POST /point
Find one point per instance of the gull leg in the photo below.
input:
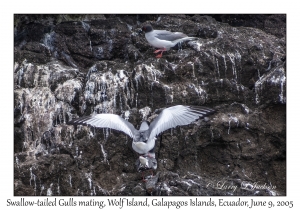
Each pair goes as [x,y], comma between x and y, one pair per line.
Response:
[149,155]
[159,55]
[160,51]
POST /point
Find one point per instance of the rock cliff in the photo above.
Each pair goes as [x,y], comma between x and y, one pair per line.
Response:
[68,66]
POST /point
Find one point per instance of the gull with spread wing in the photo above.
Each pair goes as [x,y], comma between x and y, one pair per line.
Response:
[144,138]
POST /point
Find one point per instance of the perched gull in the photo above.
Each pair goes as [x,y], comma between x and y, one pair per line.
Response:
[144,138]
[145,163]
[163,39]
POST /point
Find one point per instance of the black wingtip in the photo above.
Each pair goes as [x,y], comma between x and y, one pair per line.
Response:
[205,110]
[202,108]
[79,121]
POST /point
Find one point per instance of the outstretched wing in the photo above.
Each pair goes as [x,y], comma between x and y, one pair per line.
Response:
[107,121]
[176,116]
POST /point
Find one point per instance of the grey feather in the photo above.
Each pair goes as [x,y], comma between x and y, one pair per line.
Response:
[169,36]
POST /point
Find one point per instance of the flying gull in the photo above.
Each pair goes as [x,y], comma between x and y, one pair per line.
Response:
[163,39]
[144,138]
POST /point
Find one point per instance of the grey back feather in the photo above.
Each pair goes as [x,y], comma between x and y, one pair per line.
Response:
[169,36]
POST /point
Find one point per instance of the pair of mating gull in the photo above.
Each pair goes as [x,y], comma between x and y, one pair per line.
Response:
[144,139]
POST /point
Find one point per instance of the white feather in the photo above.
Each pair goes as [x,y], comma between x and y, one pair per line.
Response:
[175,116]
[109,121]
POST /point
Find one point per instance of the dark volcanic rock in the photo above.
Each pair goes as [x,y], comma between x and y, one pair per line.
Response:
[76,65]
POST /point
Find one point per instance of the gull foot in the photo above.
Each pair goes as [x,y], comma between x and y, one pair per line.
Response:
[160,51]
[159,56]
